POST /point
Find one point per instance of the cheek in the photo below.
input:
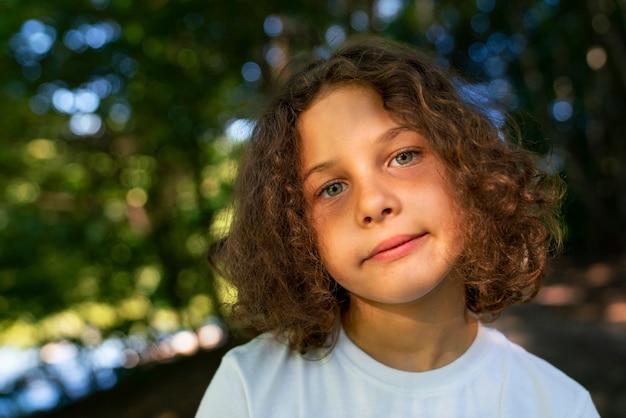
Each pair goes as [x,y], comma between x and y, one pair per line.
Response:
[457,227]
[452,202]
[329,238]
[323,232]
[320,234]
[324,220]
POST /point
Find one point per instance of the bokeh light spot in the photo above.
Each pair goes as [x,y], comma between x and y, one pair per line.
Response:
[185,342]
[32,26]
[58,352]
[517,43]
[95,37]
[499,88]
[41,149]
[128,66]
[616,312]
[596,58]
[599,274]
[40,42]
[136,197]
[75,41]
[115,210]
[210,336]
[120,113]
[601,24]
[445,45]
[200,305]
[22,191]
[39,104]
[335,35]
[388,10]
[105,378]
[86,101]
[497,42]
[100,315]
[33,42]
[478,52]
[63,101]
[480,22]
[251,72]
[131,359]
[148,279]
[134,308]
[239,129]
[272,25]
[39,395]
[559,295]
[435,32]
[562,110]
[196,245]
[276,57]
[221,223]
[563,86]
[85,124]
[165,320]
[495,67]
[226,292]
[359,20]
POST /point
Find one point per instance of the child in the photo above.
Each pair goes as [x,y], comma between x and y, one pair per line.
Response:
[379,218]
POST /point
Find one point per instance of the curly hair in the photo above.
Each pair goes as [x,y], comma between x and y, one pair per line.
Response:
[511,207]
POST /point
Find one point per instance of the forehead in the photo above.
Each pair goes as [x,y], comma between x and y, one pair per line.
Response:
[341,112]
[341,107]
[340,94]
[344,123]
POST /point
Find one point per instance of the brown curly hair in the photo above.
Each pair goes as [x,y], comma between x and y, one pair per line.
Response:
[510,205]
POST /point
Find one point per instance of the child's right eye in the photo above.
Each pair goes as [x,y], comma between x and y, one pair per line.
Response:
[332,190]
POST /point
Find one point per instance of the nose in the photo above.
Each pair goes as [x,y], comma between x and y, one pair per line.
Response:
[376,201]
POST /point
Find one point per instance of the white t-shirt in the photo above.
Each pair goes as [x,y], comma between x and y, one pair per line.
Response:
[493,378]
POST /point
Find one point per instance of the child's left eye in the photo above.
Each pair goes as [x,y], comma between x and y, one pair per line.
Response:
[404,157]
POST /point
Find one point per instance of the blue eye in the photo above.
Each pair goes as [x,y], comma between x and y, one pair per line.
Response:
[333,190]
[404,157]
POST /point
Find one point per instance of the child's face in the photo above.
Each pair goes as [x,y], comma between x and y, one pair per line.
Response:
[385,220]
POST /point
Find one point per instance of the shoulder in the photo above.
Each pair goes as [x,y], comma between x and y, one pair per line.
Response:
[268,357]
[522,363]
[526,376]
[241,368]
[252,376]
[259,346]
[263,351]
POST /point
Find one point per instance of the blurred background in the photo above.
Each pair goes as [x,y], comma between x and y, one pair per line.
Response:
[120,129]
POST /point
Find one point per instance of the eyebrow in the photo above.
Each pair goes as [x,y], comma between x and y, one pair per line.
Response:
[384,137]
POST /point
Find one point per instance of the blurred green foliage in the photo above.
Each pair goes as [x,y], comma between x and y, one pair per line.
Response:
[108,203]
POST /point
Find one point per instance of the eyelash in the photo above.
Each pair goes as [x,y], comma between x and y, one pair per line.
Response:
[413,152]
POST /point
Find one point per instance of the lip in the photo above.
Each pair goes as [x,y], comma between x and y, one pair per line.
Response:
[393,248]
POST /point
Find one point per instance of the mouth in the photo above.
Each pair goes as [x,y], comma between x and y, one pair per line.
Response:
[394,247]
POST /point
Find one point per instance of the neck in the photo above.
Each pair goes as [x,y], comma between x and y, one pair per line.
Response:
[419,336]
